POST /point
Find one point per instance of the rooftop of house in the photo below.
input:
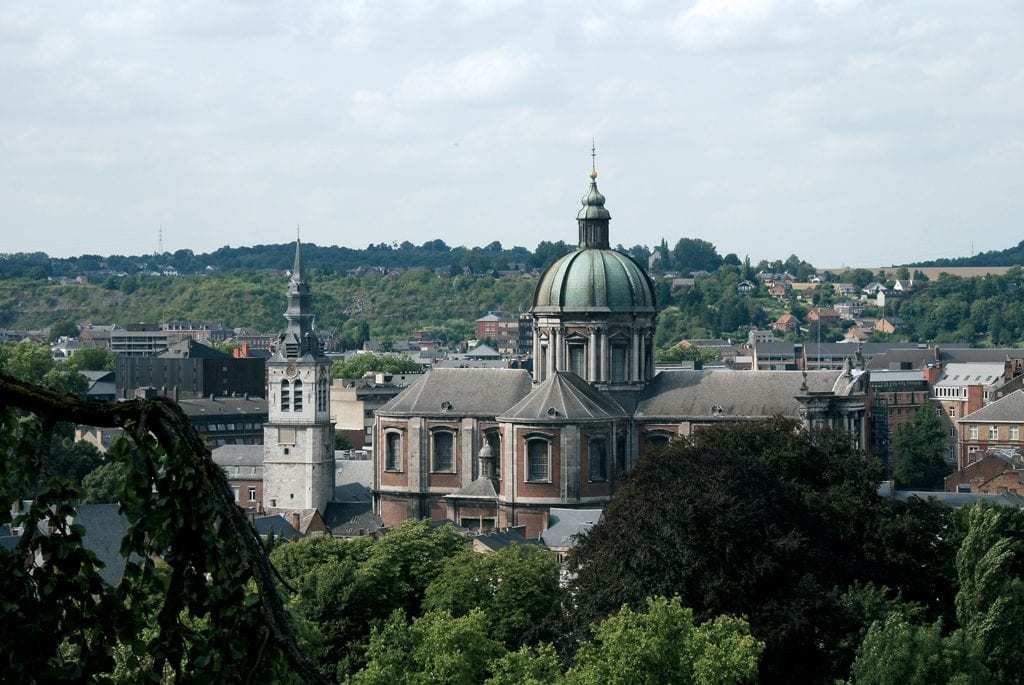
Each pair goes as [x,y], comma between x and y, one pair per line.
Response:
[1009,409]
[461,392]
[565,524]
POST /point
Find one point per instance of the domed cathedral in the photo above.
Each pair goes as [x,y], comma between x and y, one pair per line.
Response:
[594,309]
[298,438]
[494,448]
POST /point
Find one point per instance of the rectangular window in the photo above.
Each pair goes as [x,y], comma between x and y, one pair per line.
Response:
[1014,432]
[252,494]
[537,460]
[577,360]
[443,451]
[618,363]
[234,491]
[952,411]
[972,432]
[993,432]
[597,454]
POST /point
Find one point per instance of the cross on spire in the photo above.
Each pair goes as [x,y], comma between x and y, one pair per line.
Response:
[593,159]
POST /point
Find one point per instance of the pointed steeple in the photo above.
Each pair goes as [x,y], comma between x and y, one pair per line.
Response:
[593,218]
[298,339]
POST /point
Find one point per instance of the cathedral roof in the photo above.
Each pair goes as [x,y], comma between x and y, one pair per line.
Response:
[687,393]
[461,392]
[564,398]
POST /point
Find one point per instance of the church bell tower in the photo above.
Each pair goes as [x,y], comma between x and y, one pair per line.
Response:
[298,438]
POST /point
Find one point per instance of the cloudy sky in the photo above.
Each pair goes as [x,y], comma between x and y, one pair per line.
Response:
[848,132]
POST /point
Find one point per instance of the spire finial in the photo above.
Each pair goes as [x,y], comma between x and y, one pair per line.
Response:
[593,160]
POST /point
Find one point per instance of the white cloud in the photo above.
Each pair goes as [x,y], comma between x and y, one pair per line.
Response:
[716,23]
[53,48]
[133,20]
[478,76]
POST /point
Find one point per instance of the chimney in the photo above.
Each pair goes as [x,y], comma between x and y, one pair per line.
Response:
[975,398]
[295,520]
[932,373]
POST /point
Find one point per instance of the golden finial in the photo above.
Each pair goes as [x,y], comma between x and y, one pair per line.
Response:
[593,160]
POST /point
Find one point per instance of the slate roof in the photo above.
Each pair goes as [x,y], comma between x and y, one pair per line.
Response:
[498,541]
[971,373]
[224,406]
[565,524]
[461,392]
[917,356]
[349,471]
[190,349]
[714,393]
[1006,409]
[961,499]
[563,397]
[481,488]
[276,524]
[238,455]
[105,527]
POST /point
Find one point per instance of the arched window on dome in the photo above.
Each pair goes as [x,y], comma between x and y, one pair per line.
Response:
[393,451]
[619,351]
[577,346]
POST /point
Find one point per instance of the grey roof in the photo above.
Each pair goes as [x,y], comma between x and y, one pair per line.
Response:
[562,397]
[1005,409]
[190,349]
[224,406]
[565,524]
[960,499]
[238,455]
[959,374]
[917,356]
[105,527]
[276,524]
[460,392]
[481,488]
[507,538]
[350,519]
[886,376]
[353,471]
[686,393]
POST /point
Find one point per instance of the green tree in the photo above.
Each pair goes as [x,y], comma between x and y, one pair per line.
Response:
[896,652]
[920,446]
[694,254]
[105,483]
[32,363]
[73,460]
[664,645]
[361,364]
[517,588]
[527,666]
[92,359]
[990,603]
[435,649]
[64,329]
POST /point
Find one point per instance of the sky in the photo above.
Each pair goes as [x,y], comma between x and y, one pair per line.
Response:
[851,133]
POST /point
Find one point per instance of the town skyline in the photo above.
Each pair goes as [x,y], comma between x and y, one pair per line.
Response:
[752,125]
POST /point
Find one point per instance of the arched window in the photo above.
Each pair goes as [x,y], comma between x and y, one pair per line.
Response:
[658,439]
[393,451]
[444,451]
[285,396]
[620,453]
[538,460]
[297,392]
[597,459]
[494,440]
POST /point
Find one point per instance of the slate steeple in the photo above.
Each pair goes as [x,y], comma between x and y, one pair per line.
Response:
[299,338]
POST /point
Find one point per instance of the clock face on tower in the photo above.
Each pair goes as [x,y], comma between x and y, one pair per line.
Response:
[291,371]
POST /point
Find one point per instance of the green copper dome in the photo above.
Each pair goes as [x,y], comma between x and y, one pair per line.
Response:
[594,279]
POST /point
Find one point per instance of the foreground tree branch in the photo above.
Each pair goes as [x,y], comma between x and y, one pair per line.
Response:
[181,511]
